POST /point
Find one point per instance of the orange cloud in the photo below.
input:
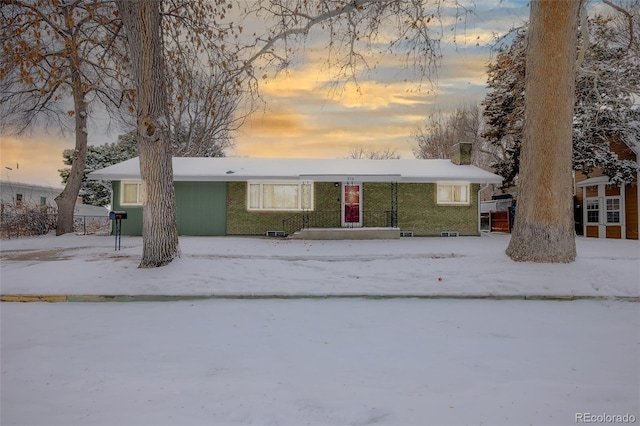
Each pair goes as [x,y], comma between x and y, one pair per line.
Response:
[33,159]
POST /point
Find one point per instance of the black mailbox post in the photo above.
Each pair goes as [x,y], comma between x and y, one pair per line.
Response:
[117,216]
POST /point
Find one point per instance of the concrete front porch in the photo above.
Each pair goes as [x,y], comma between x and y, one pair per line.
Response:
[368,233]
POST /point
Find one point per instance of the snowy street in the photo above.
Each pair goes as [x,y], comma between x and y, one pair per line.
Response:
[319,362]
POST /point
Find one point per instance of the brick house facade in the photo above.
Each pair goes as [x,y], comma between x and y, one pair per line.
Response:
[244,196]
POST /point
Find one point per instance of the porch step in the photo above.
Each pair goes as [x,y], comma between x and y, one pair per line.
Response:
[347,234]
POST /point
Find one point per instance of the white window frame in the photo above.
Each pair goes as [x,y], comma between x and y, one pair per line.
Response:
[441,202]
[299,183]
[139,195]
[607,211]
[596,209]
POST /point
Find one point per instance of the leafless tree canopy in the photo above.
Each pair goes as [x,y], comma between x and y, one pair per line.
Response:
[441,130]
[43,45]
[356,32]
[360,153]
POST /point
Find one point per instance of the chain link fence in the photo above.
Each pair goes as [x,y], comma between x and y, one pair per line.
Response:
[30,223]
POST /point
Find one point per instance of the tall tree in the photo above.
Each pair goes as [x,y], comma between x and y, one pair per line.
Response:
[143,26]
[544,229]
[57,58]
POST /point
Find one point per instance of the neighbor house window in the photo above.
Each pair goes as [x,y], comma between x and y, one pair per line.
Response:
[131,193]
[43,201]
[290,195]
[453,193]
[613,210]
[593,210]
[18,200]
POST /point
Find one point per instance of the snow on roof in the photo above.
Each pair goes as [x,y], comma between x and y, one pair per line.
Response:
[319,170]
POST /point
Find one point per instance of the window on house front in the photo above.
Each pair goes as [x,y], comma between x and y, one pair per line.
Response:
[453,193]
[18,200]
[131,193]
[43,201]
[613,210]
[292,195]
[593,210]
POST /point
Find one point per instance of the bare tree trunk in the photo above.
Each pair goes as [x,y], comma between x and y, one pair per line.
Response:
[142,22]
[66,201]
[544,225]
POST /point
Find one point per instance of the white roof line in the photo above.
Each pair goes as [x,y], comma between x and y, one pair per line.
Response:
[243,169]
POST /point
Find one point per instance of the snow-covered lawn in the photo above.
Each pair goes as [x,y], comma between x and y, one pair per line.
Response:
[318,361]
[261,266]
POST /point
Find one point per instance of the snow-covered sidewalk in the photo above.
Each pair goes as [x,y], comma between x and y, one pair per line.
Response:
[236,266]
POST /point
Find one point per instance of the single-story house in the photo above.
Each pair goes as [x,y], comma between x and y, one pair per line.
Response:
[262,196]
[16,195]
[605,210]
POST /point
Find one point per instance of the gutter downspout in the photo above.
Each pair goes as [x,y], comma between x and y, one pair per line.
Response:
[486,185]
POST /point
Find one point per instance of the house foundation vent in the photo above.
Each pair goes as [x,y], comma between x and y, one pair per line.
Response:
[449,233]
[406,233]
[275,234]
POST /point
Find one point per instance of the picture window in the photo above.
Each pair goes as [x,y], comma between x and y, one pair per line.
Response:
[291,196]
[453,193]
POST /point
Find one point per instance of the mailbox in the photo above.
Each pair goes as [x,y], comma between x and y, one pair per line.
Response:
[117,215]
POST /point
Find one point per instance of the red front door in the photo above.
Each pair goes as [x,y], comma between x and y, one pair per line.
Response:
[352,208]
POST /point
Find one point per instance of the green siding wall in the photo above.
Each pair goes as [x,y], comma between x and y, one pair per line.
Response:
[201,209]
[132,225]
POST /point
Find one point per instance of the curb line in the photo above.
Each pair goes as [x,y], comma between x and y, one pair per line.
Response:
[57,298]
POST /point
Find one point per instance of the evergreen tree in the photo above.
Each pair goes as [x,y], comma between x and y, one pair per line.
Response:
[504,107]
[98,193]
[607,81]
[605,111]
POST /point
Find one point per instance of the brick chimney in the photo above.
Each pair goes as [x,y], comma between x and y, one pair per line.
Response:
[461,153]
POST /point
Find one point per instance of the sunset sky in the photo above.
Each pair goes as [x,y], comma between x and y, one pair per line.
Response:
[303,117]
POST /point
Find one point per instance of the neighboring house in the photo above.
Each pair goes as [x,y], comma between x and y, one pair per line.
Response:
[27,209]
[17,195]
[258,196]
[607,211]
